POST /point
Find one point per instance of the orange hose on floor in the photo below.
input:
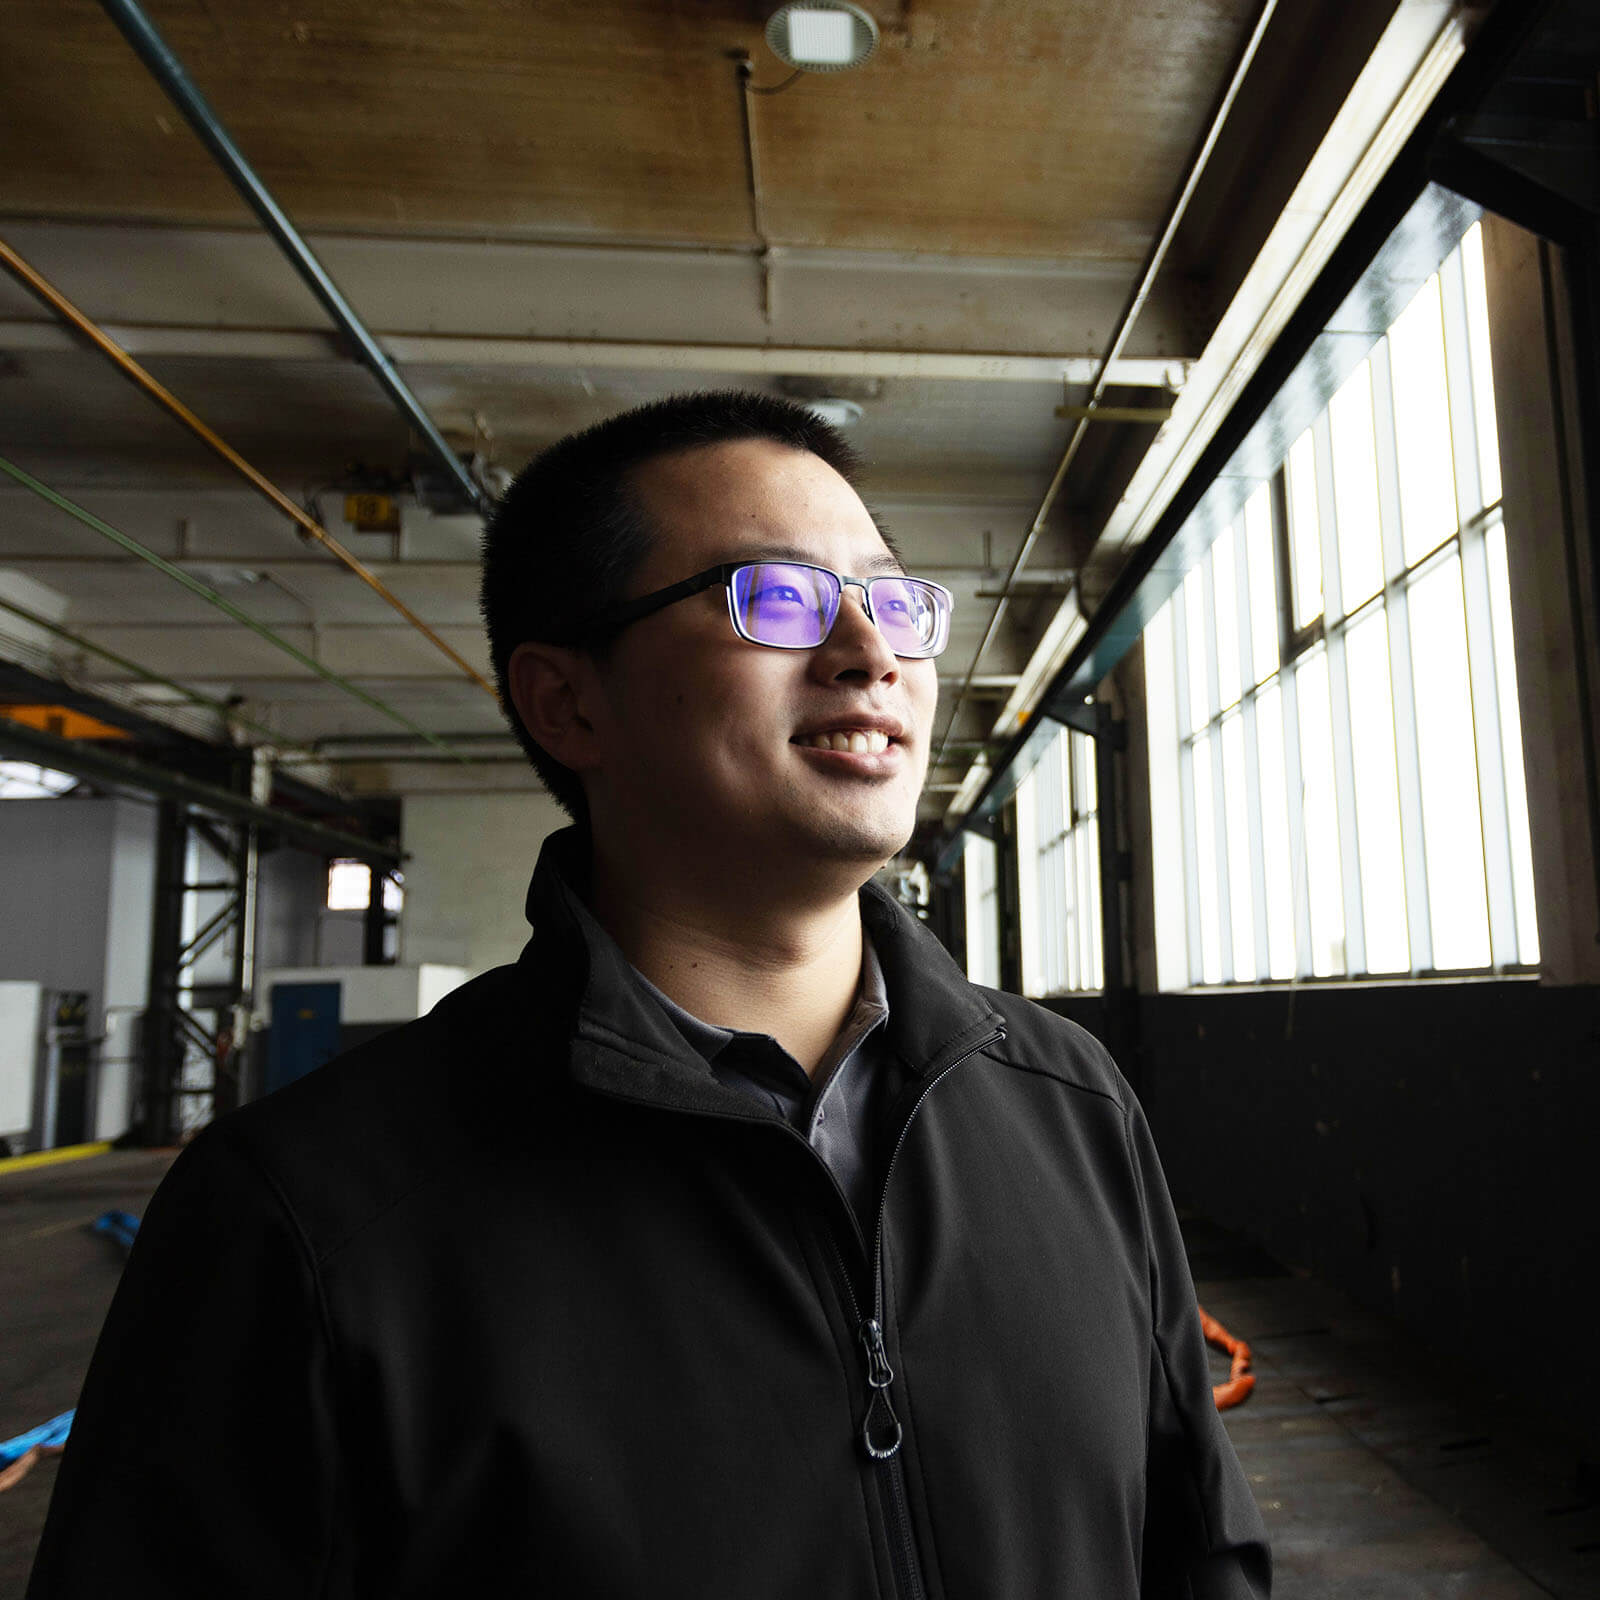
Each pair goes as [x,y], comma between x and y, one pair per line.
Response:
[1242,1380]
[23,1465]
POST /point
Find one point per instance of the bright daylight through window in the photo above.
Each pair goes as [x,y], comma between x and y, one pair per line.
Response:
[980,871]
[1338,670]
[1058,877]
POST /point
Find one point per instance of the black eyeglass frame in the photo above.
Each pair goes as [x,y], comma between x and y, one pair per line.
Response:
[609,623]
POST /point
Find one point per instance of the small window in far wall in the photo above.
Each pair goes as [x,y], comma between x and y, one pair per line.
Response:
[349,885]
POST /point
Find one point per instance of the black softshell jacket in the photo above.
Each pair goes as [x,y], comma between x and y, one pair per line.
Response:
[517,1300]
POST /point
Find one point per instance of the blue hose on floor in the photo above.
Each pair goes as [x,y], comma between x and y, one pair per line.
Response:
[121,1226]
[53,1433]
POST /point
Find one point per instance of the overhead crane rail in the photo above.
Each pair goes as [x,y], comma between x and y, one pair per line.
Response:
[229,714]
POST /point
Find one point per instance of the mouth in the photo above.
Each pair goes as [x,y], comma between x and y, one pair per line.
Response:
[852,741]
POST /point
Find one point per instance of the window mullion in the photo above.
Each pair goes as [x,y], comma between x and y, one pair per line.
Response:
[1294,797]
[1495,812]
[1252,761]
[1458,377]
[1408,770]
[1062,948]
[1219,807]
[1355,935]
[1191,850]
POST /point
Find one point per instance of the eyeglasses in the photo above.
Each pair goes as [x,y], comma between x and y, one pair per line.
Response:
[791,605]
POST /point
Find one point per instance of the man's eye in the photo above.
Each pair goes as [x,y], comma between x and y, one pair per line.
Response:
[780,594]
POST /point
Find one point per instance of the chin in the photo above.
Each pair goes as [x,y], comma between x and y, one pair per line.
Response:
[867,841]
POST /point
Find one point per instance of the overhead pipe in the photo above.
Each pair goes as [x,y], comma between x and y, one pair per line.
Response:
[220,602]
[37,284]
[169,72]
[1135,303]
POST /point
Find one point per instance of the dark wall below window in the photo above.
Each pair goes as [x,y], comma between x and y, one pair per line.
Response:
[1432,1148]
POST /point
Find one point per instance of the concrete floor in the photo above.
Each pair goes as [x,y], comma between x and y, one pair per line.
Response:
[56,1280]
[1380,1475]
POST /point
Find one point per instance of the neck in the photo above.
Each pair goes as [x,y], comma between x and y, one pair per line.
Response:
[733,955]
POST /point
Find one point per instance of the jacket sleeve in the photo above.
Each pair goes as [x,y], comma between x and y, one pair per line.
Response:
[202,1458]
[1203,1536]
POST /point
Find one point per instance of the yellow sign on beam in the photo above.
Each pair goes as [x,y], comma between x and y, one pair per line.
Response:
[63,722]
[372,513]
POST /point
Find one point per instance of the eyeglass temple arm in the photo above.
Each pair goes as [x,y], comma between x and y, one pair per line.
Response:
[645,605]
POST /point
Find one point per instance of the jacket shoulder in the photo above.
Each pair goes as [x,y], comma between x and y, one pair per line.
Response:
[388,1117]
[1039,1040]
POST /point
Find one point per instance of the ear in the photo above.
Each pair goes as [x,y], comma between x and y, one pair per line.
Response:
[554,691]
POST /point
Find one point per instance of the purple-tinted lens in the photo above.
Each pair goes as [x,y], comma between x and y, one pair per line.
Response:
[913,616]
[785,604]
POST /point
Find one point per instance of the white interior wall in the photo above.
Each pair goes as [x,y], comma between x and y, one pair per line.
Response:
[131,871]
[77,877]
[470,858]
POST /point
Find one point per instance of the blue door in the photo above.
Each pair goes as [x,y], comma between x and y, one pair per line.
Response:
[305,1030]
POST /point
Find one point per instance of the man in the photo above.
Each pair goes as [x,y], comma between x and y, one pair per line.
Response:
[730,1244]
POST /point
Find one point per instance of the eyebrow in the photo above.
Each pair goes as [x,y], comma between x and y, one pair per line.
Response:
[885,563]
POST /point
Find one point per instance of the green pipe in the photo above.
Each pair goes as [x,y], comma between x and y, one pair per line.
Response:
[145,675]
[211,597]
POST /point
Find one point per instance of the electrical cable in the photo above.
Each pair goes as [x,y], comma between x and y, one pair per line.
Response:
[212,598]
[777,88]
[312,529]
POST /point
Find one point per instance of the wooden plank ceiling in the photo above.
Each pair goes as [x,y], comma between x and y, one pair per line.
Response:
[1031,129]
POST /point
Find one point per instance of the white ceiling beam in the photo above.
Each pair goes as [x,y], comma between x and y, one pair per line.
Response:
[235,278]
[19,335]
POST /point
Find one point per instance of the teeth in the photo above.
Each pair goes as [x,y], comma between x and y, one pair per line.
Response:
[861,743]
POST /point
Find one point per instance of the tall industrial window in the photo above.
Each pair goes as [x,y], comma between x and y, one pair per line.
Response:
[1058,869]
[981,872]
[1336,755]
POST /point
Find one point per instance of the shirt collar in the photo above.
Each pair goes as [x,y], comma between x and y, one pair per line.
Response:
[869,1009]
[620,1040]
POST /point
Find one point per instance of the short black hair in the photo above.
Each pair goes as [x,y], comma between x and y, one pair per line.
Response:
[566,538]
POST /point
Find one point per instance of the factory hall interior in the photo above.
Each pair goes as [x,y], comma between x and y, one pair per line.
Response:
[1023,582]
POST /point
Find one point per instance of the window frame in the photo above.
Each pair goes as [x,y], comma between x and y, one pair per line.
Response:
[1209,910]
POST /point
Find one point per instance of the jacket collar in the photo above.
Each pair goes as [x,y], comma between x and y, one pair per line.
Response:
[620,1042]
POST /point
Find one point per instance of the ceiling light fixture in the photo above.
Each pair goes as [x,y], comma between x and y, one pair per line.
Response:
[835,412]
[821,35]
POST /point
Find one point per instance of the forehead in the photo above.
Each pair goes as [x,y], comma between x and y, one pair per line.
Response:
[752,497]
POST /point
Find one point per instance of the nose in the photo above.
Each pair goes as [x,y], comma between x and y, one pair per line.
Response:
[855,648]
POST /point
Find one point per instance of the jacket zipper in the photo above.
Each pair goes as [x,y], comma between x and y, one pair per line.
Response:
[881,1433]
[881,1440]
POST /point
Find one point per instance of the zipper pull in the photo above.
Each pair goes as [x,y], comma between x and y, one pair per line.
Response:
[880,1428]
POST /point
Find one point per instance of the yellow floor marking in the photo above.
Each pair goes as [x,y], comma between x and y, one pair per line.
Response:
[48,1158]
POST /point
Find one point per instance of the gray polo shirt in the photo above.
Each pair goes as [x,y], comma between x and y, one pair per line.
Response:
[834,1107]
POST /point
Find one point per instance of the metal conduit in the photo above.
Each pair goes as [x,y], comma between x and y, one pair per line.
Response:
[211,597]
[1130,314]
[169,72]
[145,675]
[37,284]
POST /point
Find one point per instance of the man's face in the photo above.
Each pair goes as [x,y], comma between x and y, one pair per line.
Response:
[707,737]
